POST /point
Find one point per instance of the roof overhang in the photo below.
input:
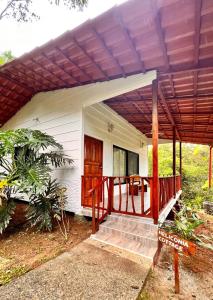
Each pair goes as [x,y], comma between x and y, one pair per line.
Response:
[173,37]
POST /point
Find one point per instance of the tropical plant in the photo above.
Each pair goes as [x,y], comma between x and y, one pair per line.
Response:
[5,57]
[7,206]
[185,222]
[23,11]
[27,158]
[46,206]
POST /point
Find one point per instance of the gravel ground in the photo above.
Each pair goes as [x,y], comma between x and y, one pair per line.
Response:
[89,271]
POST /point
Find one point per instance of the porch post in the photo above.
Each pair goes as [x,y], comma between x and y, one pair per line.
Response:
[174,160]
[155,193]
[180,168]
[210,166]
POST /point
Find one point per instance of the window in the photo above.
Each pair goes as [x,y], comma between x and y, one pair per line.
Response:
[125,163]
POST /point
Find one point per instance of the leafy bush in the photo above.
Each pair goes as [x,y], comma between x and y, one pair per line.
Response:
[185,222]
[46,206]
[26,161]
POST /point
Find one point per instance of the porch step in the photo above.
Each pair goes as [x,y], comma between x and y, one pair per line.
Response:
[130,234]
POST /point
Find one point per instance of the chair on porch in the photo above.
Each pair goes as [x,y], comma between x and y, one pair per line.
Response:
[135,185]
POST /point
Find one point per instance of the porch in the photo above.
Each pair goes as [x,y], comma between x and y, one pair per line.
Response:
[131,196]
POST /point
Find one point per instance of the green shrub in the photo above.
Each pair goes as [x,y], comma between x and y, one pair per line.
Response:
[26,161]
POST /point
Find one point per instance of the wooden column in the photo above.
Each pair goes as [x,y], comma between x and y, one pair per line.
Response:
[210,166]
[180,168]
[174,160]
[155,193]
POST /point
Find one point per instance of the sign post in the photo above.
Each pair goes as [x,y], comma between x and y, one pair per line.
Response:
[179,244]
[176,269]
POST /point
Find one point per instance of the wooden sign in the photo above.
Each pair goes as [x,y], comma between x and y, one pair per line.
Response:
[179,244]
[170,239]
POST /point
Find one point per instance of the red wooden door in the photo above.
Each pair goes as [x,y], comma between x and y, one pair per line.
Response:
[93,163]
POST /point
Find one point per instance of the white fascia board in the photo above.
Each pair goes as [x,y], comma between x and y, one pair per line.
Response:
[101,91]
[97,92]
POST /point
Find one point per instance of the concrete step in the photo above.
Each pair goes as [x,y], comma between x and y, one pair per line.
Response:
[126,219]
[123,242]
[130,233]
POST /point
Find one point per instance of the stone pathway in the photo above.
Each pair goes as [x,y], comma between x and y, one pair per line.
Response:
[91,270]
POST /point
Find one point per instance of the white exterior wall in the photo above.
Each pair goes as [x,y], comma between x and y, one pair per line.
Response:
[61,114]
[96,119]
[56,114]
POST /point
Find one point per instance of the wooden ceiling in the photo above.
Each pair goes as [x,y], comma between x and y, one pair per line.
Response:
[174,37]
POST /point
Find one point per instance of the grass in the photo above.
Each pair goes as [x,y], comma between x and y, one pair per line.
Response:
[7,275]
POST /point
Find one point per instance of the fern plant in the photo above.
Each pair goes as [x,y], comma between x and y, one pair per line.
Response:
[46,206]
[27,158]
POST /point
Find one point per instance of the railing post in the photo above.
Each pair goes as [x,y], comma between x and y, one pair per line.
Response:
[174,161]
[210,167]
[180,170]
[155,193]
[93,213]
[110,194]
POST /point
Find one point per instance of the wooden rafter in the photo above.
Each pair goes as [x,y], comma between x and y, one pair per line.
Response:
[170,117]
[81,48]
[128,39]
[198,7]
[40,75]
[108,51]
[36,62]
[57,65]
[20,75]
[158,29]
[62,52]
[5,76]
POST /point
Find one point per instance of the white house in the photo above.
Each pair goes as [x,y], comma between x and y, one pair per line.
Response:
[72,114]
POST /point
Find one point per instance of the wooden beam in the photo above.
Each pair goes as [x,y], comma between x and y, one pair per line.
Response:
[5,76]
[155,186]
[109,52]
[39,74]
[81,48]
[23,77]
[198,7]
[210,166]
[74,64]
[129,40]
[174,158]
[158,29]
[56,64]
[170,117]
[180,168]
[187,70]
[42,66]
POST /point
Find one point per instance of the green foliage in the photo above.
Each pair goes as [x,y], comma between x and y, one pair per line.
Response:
[184,224]
[7,275]
[23,11]
[5,57]
[46,206]
[194,171]
[7,208]
[26,161]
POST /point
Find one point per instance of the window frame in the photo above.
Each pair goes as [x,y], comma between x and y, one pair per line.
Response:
[127,160]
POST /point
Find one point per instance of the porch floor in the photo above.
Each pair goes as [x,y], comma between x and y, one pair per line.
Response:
[126,203]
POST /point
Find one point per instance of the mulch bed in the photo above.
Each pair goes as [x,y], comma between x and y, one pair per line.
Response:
[23,248]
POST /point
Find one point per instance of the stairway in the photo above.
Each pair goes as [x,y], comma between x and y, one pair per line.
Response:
[129,233]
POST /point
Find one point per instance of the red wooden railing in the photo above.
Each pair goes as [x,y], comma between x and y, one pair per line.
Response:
[124,195]
[168,187]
